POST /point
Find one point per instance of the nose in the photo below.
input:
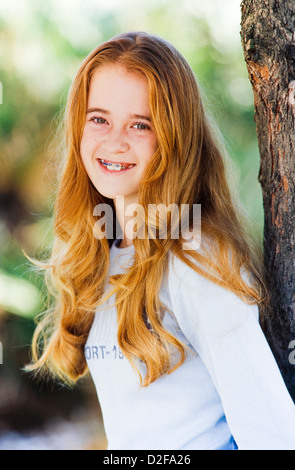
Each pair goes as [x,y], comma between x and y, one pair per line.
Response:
[115,141]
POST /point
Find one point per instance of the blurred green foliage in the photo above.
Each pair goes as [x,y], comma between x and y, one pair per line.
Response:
[41,47]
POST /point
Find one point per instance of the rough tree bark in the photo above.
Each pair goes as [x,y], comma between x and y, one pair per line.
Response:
[268,40]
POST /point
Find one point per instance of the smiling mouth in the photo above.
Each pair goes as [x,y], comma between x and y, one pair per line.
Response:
[115,166]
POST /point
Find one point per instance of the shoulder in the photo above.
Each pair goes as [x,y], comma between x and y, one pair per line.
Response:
[181,273]
[195,296]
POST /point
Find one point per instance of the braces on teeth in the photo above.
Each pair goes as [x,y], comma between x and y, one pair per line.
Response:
[115,166]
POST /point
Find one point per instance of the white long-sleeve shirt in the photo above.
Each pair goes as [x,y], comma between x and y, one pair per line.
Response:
[228,393]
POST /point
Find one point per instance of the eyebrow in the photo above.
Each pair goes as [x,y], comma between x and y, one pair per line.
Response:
[104,111]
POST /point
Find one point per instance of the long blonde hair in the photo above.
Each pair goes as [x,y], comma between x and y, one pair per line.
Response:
[189,167]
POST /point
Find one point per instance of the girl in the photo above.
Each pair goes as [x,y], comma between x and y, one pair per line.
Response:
[167,326]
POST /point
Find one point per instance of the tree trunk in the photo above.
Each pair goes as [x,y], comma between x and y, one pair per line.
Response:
[268,40]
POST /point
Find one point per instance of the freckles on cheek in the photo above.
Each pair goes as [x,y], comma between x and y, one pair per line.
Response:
[86,144]
[82,143]
[90,140]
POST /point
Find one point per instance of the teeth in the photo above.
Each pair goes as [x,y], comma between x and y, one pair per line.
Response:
[114,166]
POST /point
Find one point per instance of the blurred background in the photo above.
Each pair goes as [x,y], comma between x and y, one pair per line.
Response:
[41,46]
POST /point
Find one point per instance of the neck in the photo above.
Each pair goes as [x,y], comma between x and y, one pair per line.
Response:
[125,213]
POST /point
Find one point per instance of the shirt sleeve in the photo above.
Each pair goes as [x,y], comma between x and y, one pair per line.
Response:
[226,334]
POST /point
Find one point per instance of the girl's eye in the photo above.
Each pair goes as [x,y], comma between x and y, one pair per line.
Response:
[98,120]
[141,126]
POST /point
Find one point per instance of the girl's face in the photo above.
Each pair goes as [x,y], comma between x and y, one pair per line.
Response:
[118,139]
